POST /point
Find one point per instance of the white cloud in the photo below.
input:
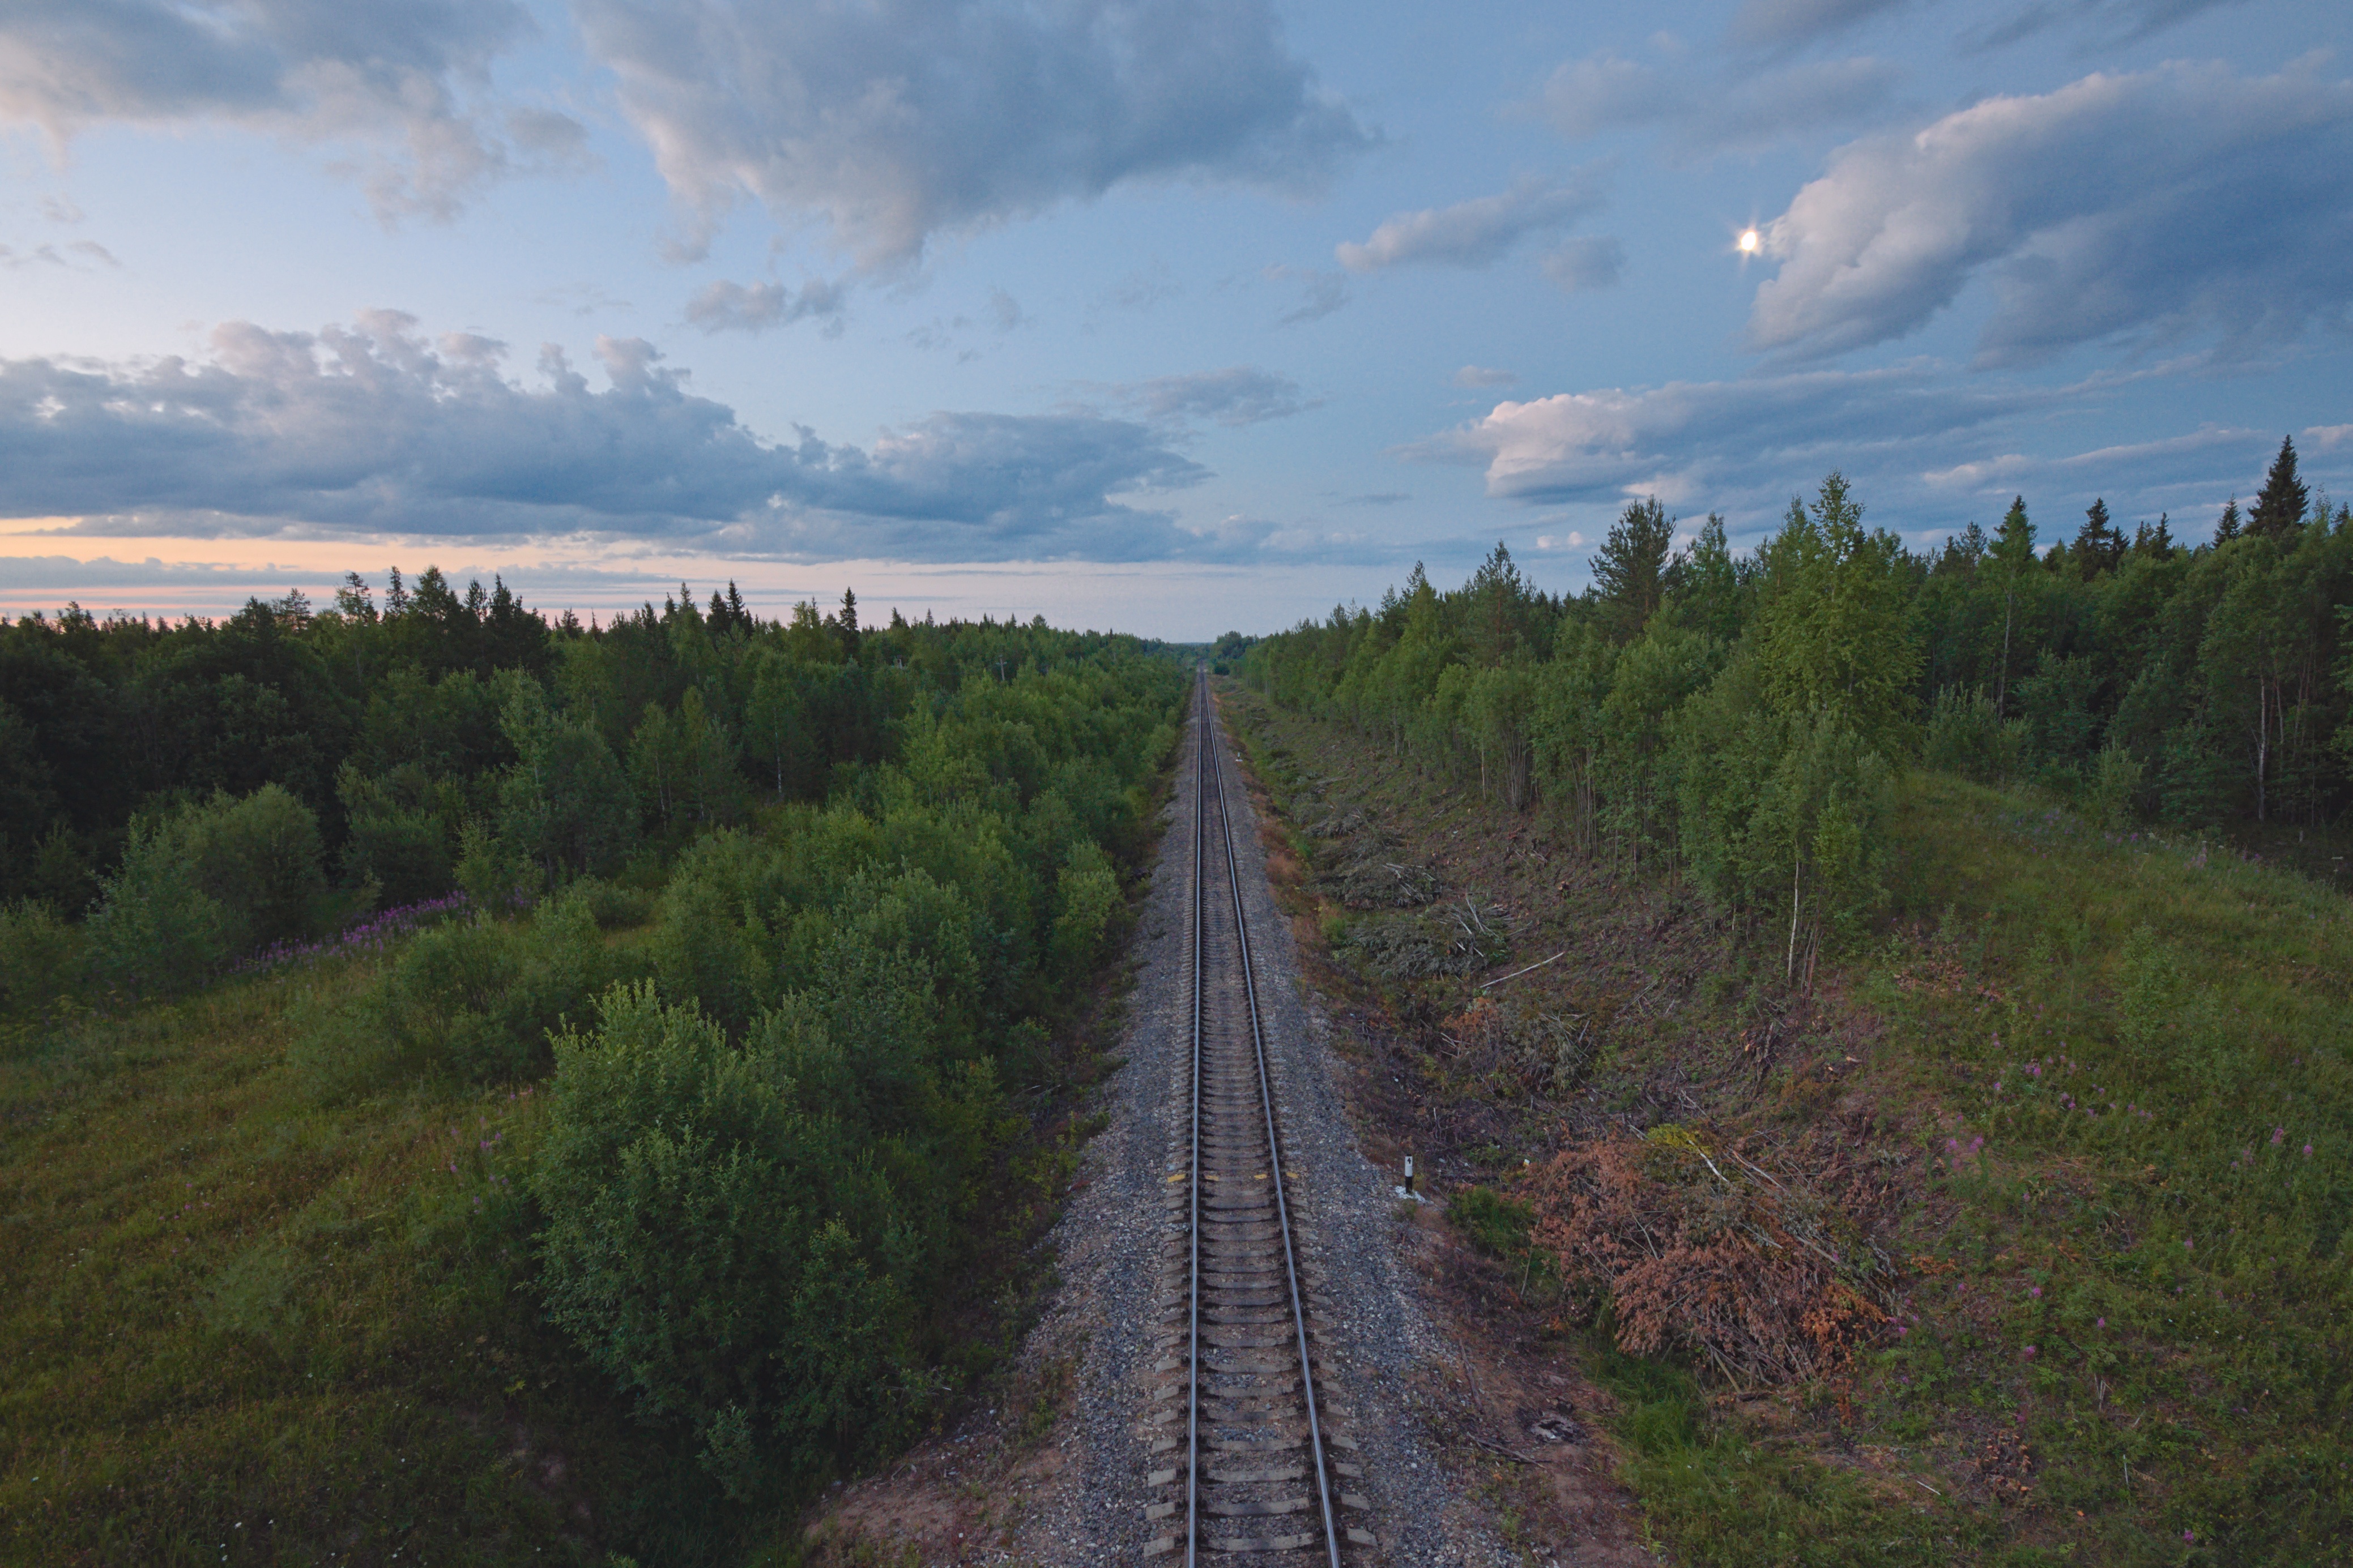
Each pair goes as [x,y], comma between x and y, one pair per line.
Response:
[2157,205]
[404,83]
[375,430]
[894,120]
[1477,232]
[724,306]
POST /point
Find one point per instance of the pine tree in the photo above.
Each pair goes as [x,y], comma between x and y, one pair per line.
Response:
[1630,568]
[2279,511]
[2226,528]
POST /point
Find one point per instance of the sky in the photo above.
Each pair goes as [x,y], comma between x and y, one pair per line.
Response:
[1170,317]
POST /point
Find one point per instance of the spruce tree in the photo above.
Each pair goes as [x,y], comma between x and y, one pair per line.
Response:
[2226,528]
[2099,547]
[2279,511]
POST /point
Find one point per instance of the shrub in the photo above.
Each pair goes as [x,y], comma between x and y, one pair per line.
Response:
[1087,897]
[475,999]
[156,929]
[258,858]
[1967,737]
[712,1239]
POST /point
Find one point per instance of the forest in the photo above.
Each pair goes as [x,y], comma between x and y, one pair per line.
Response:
[780,918]
[1740,720]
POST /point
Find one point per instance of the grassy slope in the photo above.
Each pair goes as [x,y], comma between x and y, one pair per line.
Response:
[242,1326]
[2215,1374]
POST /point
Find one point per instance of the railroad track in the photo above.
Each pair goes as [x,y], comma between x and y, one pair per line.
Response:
[1247,1458]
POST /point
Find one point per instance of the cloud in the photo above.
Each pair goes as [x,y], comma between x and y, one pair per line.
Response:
[1695,437]
[2179,201]
[1784,24]
[404,81]
[897,120]
[1480,376]
[1321,292]
[724,306]
[1238,396]
[373,429]
[1477,232]
[80,256]
[2109,21]
[1587,263]
[1926,449]
[1746,113]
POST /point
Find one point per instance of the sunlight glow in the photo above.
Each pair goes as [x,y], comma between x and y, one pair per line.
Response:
[1749,242]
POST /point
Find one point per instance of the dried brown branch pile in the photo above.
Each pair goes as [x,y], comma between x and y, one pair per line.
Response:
[1701,1248]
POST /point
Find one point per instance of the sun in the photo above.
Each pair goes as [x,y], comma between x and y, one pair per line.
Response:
[1749,242]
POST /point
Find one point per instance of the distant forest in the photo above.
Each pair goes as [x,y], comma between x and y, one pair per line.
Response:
[1741,718]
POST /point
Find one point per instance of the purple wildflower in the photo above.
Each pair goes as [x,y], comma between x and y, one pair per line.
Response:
[2278,1133]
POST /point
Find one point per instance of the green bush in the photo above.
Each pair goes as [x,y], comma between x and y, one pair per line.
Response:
[1087,900]
[715,1244]
[259,858]
[1965,736]
[156,930]
[473,999]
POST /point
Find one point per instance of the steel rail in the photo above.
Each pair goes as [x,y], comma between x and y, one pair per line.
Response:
[1206,722]
[1210,748]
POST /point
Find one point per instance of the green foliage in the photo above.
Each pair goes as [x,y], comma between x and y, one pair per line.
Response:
[157,929]
[471,1000]
[208,883]
[1086,901]
[1966,735]
[714,1243]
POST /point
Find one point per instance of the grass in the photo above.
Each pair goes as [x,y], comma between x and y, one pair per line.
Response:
[2125,1334]
[242,1327]
[2142,1267]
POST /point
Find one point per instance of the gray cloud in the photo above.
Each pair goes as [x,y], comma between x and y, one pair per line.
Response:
[898,119]
[724,306]
[1926,449]
[403,81]
[1783,24]
[1321,293]
[373,429]
[1700,116]
[1585,263]
[2181,200]
[1238,395]
[2112,21]
[1481,376]
[1477,232]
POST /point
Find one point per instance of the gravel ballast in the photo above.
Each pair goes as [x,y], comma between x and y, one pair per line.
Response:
[1089,1500]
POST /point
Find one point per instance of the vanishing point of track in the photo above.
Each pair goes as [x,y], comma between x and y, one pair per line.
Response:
[1247,1456]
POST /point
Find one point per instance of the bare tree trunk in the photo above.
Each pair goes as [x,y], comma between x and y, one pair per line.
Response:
[1790,965]
[2002,679]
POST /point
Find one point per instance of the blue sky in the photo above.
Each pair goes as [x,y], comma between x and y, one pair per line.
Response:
[1168,316]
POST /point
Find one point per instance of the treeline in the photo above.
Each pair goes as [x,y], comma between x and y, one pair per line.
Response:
[1742,717]
[784,912]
